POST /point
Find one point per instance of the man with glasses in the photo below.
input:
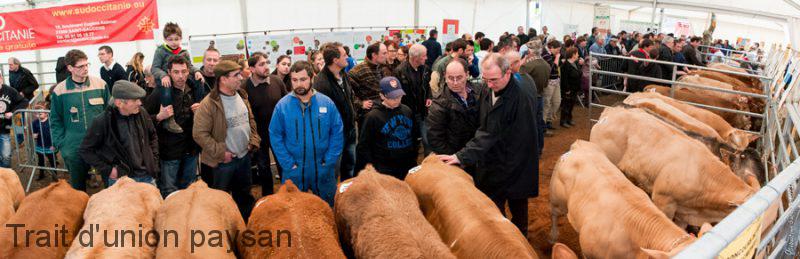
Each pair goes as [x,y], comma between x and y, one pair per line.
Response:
[504,151]
[75,103]
[225,128]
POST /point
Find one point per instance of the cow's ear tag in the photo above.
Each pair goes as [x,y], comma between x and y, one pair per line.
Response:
[414,170]
[343,187]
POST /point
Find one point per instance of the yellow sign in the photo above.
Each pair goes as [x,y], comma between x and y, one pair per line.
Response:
[745,245]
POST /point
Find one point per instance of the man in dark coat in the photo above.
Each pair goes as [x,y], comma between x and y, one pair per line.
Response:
[433,47]
[333,82]
[21,78]
[414,77]
[690,52]
[503,149]
[122,141]
[665,54]
[641,68]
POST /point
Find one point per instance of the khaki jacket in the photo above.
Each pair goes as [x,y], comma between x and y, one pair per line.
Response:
[211,128]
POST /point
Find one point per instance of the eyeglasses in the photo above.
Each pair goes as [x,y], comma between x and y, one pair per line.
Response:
[84,66]
[491,80]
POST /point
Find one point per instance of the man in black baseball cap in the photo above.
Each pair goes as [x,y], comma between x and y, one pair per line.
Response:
[387,139]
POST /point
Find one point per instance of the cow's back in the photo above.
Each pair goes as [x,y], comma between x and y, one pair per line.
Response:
[380,218]
[737,120]
[56,204]
[657,104]
[200,209]
[125,206]
[465,218]
[11,193]
[308,220]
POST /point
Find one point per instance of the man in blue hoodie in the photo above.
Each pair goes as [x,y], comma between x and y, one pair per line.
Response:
[307,136]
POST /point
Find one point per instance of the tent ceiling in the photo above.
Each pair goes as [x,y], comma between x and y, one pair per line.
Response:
[773,10]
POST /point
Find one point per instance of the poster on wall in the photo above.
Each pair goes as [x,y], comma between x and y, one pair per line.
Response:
[232,48]
[344,37]
[302,43]
[362,39]
[742,42]
[78,24]
[450,26]
[602,18]
[272,45]
[414,36]
[644,27]
[680,26]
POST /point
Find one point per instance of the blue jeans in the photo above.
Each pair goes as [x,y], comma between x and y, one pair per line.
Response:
[540,120]
[234,177]
[143,179]
[5,150]
[177,174]
[423,128]
[347,162]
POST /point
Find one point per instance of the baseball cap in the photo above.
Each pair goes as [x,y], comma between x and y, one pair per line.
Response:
[391,88]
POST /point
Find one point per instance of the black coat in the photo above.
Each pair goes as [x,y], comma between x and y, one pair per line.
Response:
[665,54]
[450,125]
[505,147]
[434,50]
[570,77]
[111,76]
[417,92]
[24,82]
[325,83]
[102,149]
[174,146]
[690,53]
[640,68]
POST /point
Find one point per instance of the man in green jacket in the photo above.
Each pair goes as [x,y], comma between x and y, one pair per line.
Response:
[75,103]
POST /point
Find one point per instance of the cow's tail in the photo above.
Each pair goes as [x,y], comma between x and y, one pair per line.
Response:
[553,225]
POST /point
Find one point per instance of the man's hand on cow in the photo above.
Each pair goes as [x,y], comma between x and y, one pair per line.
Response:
[366,104]
[228,157]
[165,112]
[449,159]
[113,174]
[195,107]
[166,82]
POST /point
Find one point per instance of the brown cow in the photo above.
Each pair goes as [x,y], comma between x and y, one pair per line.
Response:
[562,251]
[720,77]
[465,217]
[379,216]
[740,121]
[732,149]
[753,81]
[53,215]
[197,216]
[597,198]
[697,80]
[11,193]
[113,219]
[307,218]
[685,180]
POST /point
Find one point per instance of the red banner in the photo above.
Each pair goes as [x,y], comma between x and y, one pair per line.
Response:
[79,24]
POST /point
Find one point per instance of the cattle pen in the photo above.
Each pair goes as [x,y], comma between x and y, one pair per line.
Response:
[753,228]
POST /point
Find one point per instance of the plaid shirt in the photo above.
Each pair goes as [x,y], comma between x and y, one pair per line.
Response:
[365,78]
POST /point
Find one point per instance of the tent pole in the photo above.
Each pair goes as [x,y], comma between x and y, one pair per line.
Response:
[416,13]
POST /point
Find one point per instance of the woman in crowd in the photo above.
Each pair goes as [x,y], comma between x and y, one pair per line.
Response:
[402,54]
[315,58]
[135,71]
[391,60]
[570,85]
[282,70]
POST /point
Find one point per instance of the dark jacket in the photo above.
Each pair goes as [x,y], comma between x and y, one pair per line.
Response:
[523,38]
[12,101]
[434,50]
[137,77]
[342,96]
[505,149]
[690,53]
[103,150]
[539,70]
[416,87]
[571,77]
[387,141]
[635,67]
[613,50]
[263,98]
[111,76]
[24,81]
[665,54]
[174,146]
[450,124]
[61,70]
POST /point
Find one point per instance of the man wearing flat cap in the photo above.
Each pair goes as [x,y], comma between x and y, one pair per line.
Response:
[225,129]
[122,140]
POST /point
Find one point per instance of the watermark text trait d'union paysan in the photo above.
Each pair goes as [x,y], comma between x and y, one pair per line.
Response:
[57,237]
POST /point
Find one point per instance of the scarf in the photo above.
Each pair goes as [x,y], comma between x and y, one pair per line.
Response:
[174,51]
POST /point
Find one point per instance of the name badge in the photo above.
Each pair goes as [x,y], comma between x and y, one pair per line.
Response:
[323,109]
[96,101]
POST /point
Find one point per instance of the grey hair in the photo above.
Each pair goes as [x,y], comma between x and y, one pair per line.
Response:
[496,59]
[416,50]
[667,39]
[14,60]
[535,47]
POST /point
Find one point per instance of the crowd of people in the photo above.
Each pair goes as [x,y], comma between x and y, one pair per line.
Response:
[483,105]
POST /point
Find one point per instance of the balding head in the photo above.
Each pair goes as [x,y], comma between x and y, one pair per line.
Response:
[13,64]
[514,59]
[495,71]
